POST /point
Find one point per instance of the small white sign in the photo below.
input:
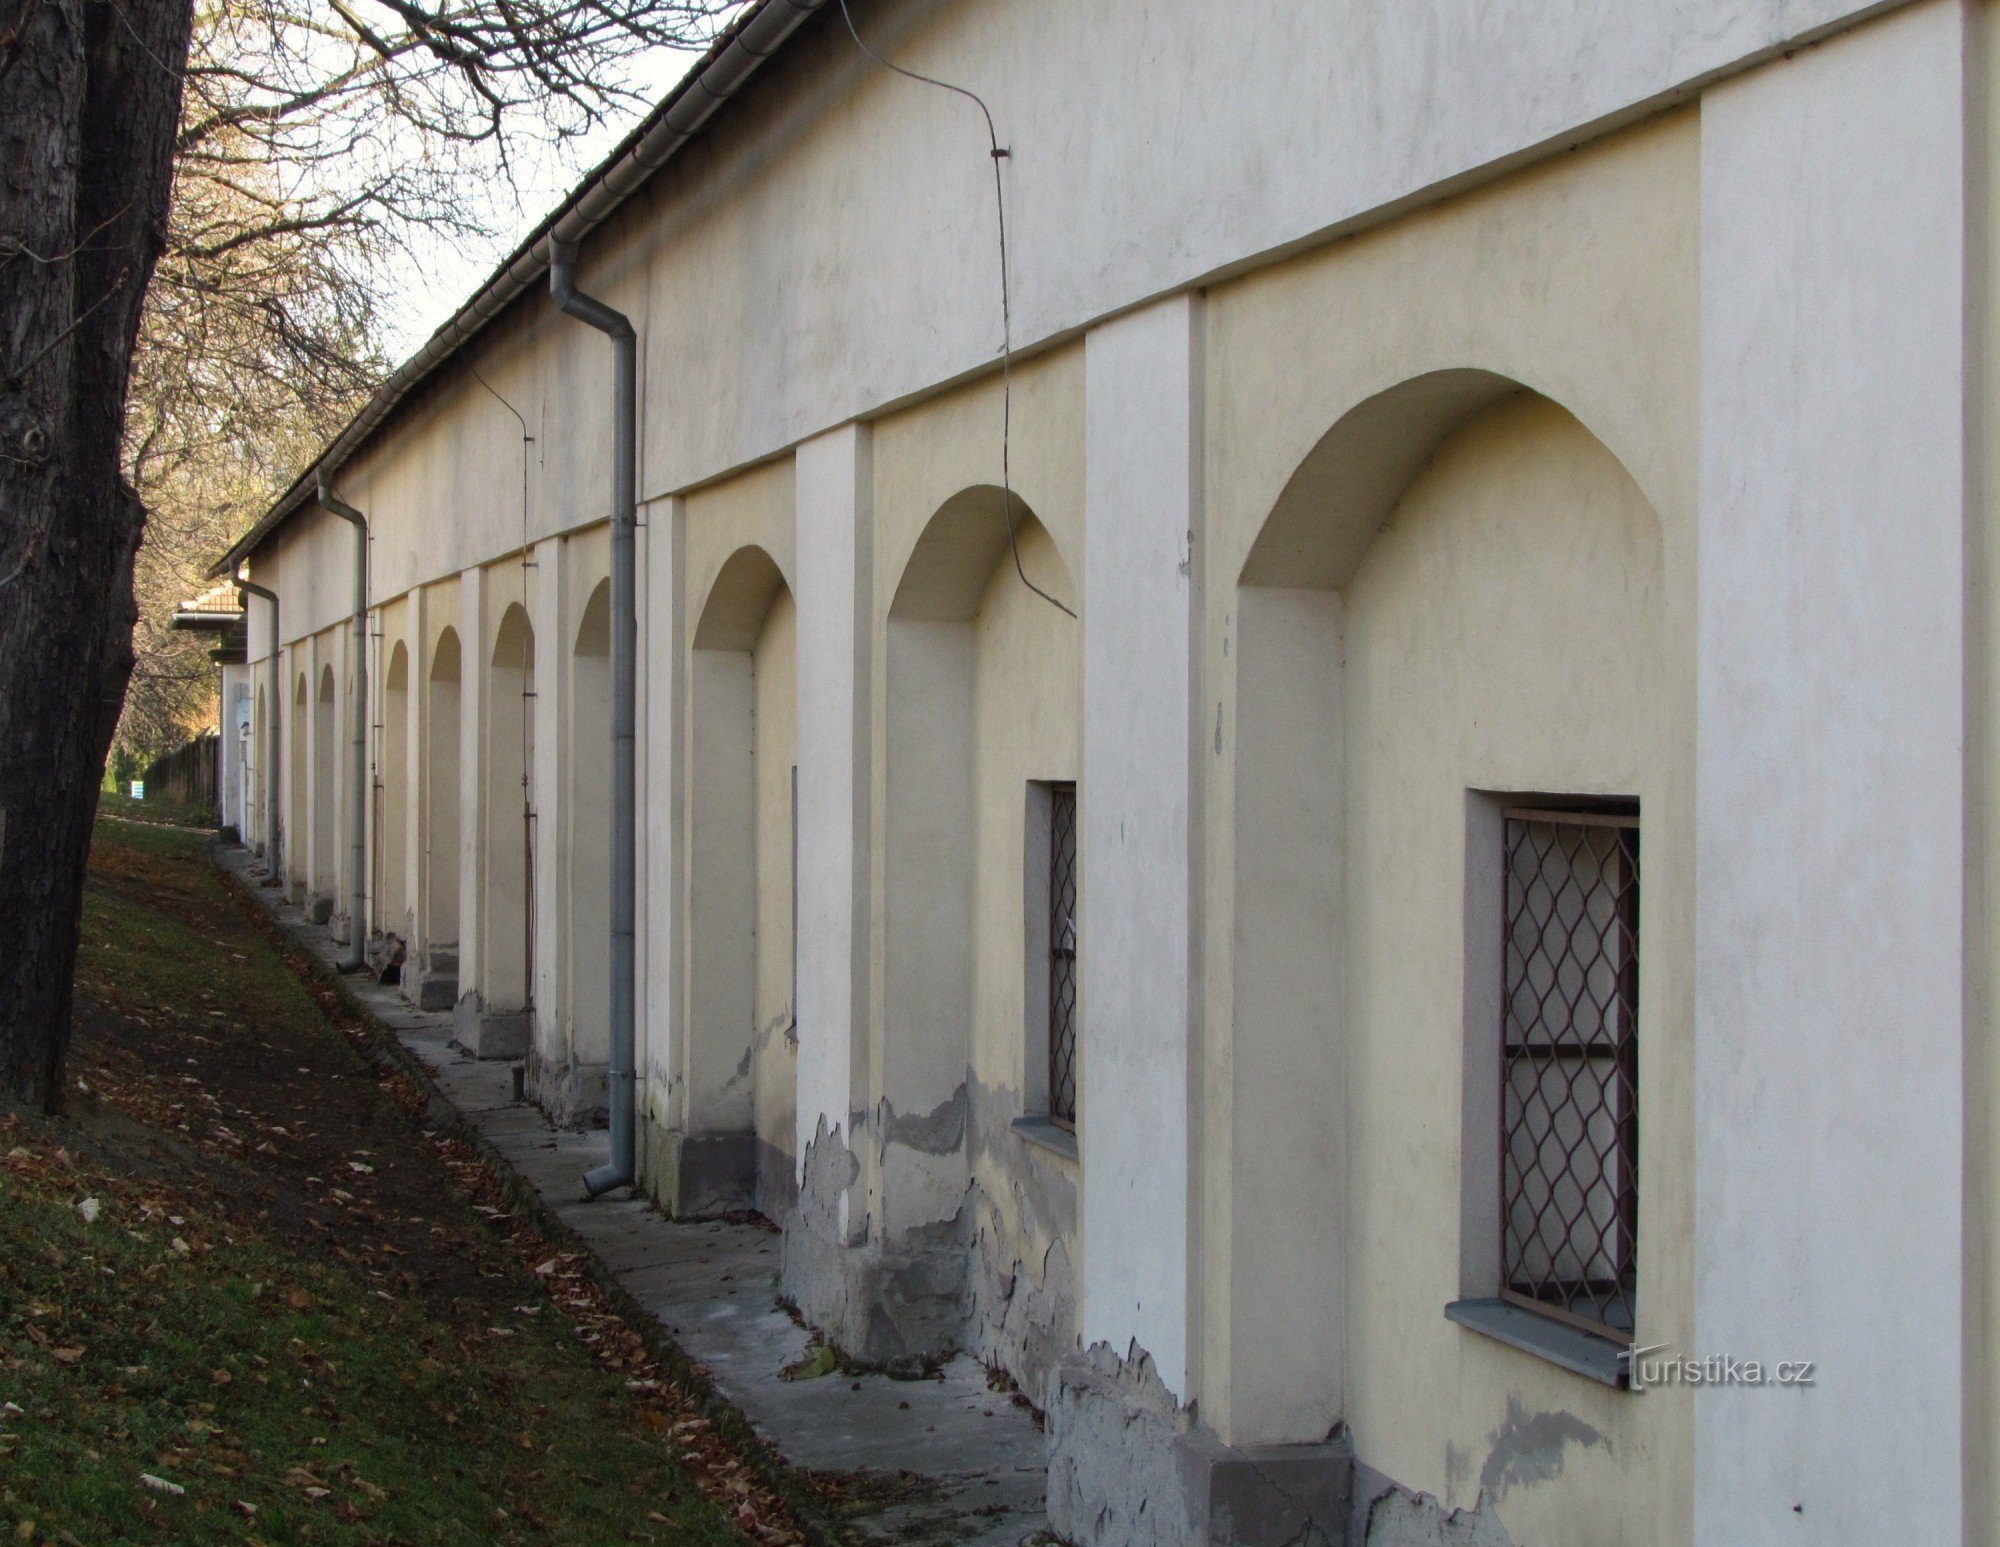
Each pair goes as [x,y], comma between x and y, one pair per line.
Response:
[138,789]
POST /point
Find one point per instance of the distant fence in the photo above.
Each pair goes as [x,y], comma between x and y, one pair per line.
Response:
[187,775]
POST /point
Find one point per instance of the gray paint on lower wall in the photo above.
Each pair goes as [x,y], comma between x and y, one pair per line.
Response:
[1386,1514]
[488,1033]
[573,1094]
[886,1305]
[1128,1464]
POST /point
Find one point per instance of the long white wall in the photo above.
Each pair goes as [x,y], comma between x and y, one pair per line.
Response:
[828,246]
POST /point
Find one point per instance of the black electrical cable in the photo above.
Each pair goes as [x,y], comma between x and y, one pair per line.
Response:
[1006,310]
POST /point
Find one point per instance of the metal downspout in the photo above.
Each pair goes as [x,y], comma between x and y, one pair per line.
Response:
[622,1171]
[273,753]
[357,791]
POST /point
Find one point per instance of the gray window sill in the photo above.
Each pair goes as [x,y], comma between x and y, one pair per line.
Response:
[1572,1348]
[1051,1136]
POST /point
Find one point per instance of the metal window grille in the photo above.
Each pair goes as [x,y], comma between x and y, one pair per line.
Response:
[1569,1066]
[1062,953]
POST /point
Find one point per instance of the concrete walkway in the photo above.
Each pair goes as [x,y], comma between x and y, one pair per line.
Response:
[713,1286]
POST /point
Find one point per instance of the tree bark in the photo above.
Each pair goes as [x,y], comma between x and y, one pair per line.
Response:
[90,95]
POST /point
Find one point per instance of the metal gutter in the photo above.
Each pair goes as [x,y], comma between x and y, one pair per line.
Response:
[758,33]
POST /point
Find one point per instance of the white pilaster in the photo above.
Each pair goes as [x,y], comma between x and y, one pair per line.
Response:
[416,776]
[474,691]
[555,639]
[1830,800]
[661,617]
[1142,499]
[834,556]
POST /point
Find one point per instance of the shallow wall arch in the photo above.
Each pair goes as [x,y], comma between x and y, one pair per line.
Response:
[587,820]
[296,791]
[741,1036]
[506,913]
[392,818]
[438,878]
[1456,556]
[952,562]
[266,817]
[1343,490]
[982,679]
[325,788]
[738,600]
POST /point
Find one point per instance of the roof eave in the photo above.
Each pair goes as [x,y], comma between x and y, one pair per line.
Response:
[758,33]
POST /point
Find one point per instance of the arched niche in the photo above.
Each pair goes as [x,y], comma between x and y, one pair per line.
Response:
[437,877]
[297,791]
[392,818]
[741,1046]
[982,698]
[326,782]
[587,818]
[266,848]
[506,960]
[1400,624]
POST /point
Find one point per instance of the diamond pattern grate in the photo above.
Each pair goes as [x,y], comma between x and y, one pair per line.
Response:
[1569,1076]
[1062,953]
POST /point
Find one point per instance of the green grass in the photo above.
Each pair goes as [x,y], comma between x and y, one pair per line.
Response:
[140,954]
[114,803]
[291,1399]
[248,1377]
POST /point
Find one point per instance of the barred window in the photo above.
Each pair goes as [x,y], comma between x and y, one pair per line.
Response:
[1569,1065]
[1062,954]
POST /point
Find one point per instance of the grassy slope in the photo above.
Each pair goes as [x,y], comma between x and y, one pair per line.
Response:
[155,808]
[288,1395]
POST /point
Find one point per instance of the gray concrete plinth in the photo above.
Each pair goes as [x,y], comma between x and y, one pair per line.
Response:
[488,1033]
[1130,1467]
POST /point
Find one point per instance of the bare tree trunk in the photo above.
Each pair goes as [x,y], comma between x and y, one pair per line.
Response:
[90,96]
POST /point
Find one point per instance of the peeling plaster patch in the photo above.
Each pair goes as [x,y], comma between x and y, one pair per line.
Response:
[1023,1214]
[1129,1466]
[890,1304]
[1528,1448]
[993,1273]
[940,1131]
[1113,1476]
[573,1094]
[1396,1517]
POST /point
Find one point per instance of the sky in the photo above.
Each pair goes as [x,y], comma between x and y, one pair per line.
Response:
[418,296]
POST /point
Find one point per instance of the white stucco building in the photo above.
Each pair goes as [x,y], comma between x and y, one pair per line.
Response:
[1173,928]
